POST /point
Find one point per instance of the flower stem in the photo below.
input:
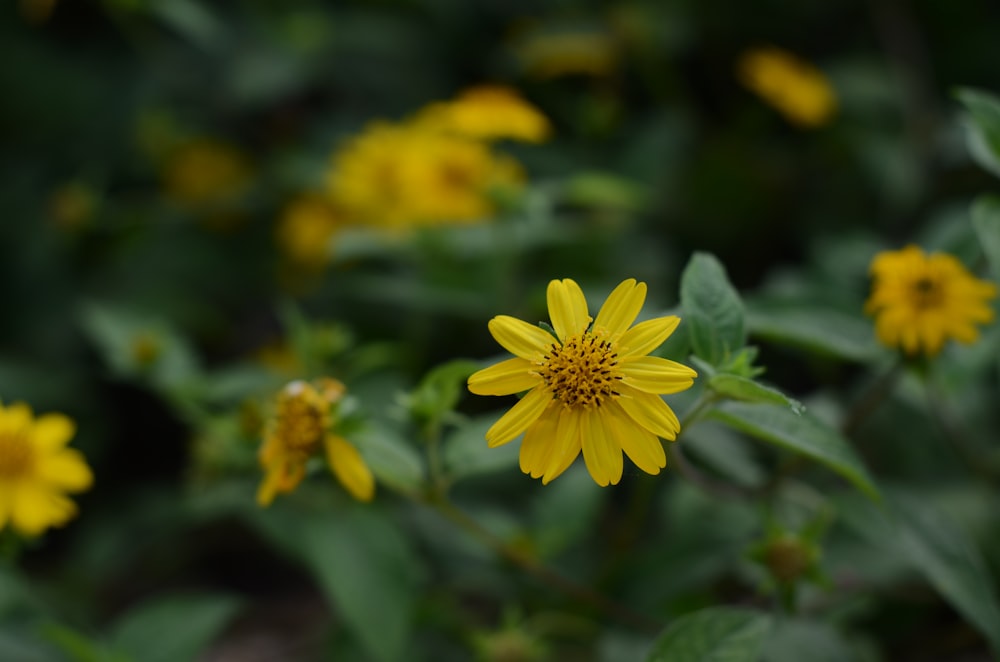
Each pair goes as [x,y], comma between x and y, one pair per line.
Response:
[543,573]
[871,398]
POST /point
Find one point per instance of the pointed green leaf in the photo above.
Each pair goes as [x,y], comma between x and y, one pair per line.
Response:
[799,432]
[712,309]
[982,127]
[717,634]
[986,221]
[821,331]
[172,629]
[748,390]
[389,456]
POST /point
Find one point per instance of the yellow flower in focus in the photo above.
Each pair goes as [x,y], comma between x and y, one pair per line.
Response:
[301,429]
[305,229]
[37,470]
[401,176]
[919,301]
[794,87]
[591,388]
[487,112]
[203,174]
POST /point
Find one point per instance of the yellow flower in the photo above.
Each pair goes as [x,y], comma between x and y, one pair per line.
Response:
[301,429]
[487,112]
[402,175]
[305,229]
[795,88]
[36,470]
[919,301]
[591,388]
[204,173]
[553,54]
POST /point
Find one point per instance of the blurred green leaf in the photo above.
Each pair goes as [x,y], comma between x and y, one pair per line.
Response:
[78,647]
[986,221]
[392,460]
[466,454]
[366,566]
[15,644]
[749,390]
[173,629]
[983,127]
[604,191]
[565,511]
[713,635]
[192,20]
[799,432]
[439,391]
[823,331]
[712,310]
[725,452]
[798,640]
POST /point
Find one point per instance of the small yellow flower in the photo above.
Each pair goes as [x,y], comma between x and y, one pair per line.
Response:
[487,112]
[399,176]
[553,54]
[794,87]
[301,429]
[919,301]
[592,387]
[37,469]
[305,229]
[204,173]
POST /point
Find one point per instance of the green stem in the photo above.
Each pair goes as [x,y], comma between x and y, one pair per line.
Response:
[871,398]
[543,573]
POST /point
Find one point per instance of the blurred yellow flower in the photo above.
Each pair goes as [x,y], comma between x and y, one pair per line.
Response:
[591,387]
[487,112]
[37,12]
[402,175]
[37,470]
[302,427]
[203,174]
[794,87]
[305,229]
[919,301]
[73,205]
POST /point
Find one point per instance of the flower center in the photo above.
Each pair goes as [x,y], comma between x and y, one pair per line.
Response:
[16,456]
[300,423]
[927,293]
[581,371]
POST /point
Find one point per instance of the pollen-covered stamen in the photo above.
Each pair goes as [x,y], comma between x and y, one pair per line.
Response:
[300,421]
[16,456]
[927,292]
[582,371]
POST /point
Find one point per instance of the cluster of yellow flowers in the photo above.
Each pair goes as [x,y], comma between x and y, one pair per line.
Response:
[437,167]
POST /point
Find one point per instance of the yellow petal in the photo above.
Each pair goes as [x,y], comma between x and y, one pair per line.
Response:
[539,443]
[646,336]
[520,338]
[642,446]
[66,469]
[520,416]
[269,487]
[621,307]
[53,431]
[649,411]
[350,468]
[567,444]
[602,455]
[504,378]
[655,375]
[567,308]
[36,508]
[15,418]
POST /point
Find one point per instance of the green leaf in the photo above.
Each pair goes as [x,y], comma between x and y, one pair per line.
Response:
[712,310]
[949,561]
[986,221]
[717,634]
[824,332]
[173,629]
[798,640]
[392,460]
[604,190]
[565,512]
[799,432]
[983,127]
[465,452]
[15,644]
[366,567]
[440,389]
[78,647]
[748,390]
[725,452]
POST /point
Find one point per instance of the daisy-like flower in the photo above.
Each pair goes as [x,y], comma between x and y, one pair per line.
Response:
[920,301]
[591,387]
[37,470]
[487,112]
[302,428]
[792,86]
